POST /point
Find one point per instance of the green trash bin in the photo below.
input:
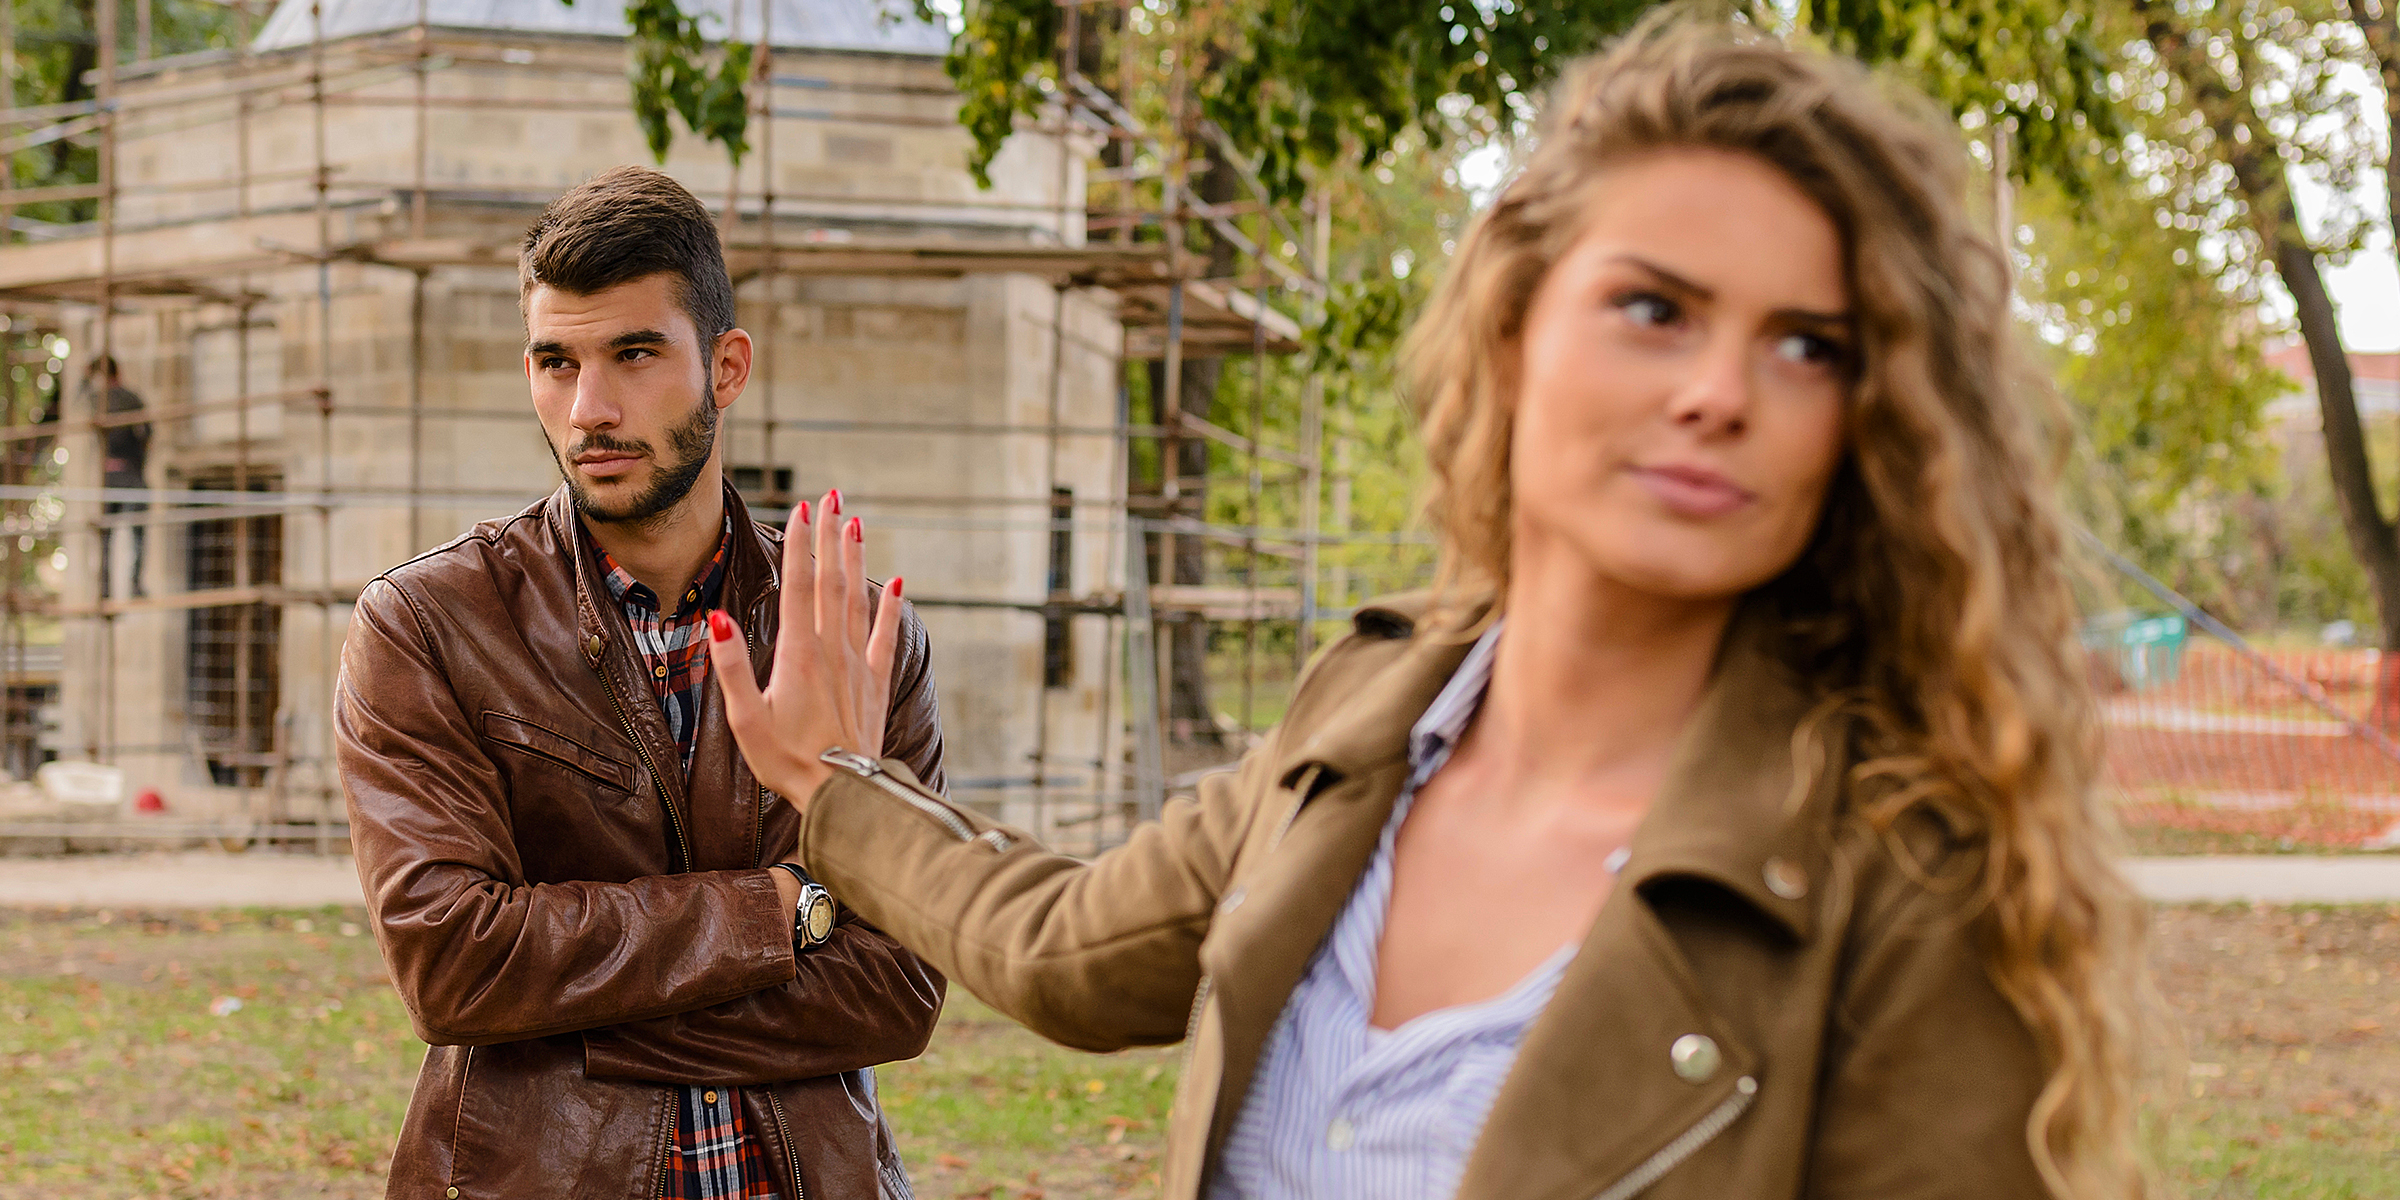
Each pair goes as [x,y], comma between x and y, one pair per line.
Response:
[2141,651]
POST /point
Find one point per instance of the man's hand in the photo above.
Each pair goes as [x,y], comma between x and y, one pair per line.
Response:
[831,685]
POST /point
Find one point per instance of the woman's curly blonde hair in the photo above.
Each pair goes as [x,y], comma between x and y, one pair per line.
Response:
[1933,600]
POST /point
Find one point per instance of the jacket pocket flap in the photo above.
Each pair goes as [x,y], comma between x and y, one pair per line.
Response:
[548,743]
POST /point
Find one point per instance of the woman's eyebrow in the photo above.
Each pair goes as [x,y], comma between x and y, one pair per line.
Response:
[1799,316]
[1670,278]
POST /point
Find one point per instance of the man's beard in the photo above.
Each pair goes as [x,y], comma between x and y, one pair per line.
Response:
[671,481]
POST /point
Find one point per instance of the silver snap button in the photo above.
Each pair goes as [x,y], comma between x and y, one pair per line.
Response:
[1695,1056]
[1232,900]
[1339,1135]
[1785,880]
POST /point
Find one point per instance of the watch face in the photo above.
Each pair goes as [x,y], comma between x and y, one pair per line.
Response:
[820,917]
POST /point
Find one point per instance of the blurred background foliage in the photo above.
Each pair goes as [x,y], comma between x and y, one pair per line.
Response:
[2149,290]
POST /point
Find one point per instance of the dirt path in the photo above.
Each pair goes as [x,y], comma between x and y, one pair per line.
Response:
[193,879]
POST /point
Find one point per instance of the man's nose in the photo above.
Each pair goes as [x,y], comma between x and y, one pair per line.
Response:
[597,407]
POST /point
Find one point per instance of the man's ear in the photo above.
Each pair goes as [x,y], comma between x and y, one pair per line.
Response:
[730,365]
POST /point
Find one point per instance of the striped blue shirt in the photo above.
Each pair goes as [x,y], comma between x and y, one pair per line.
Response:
[1341,1110]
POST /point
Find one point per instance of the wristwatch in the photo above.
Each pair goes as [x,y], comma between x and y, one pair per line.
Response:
[812,922]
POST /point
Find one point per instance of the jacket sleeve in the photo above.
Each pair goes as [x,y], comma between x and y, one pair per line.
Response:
[1098,955]
[1930,1074]
[859,1000]
[475,957]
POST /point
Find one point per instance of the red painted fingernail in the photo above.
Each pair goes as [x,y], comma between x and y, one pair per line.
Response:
[856,534]
[804,512]
[720,626]
[892,589]
[834,501]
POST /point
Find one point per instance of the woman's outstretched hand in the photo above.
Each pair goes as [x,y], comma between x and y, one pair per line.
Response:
[831,683]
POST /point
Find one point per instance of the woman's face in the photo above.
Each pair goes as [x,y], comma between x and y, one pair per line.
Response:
[1682,380]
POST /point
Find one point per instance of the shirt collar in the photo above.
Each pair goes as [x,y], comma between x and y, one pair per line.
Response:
[700,593]
[1437,732]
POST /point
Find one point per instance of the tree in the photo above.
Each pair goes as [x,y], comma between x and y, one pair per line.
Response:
[57,48]
[2254,87]
[672,76]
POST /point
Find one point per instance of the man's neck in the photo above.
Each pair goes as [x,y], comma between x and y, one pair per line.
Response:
[670,550]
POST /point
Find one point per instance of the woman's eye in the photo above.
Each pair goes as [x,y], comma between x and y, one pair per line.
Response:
[1809,348]
[1648,308]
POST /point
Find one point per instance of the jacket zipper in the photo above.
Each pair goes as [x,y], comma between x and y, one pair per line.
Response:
[666,799]
[1685,1144]
[790,1154]
[873,772]
[666,1149]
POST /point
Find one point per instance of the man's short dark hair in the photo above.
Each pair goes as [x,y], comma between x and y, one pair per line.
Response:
[629,223]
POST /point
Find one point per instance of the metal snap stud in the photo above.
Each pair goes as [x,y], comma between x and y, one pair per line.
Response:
[1696,1057]
[1785,880]
[592,645]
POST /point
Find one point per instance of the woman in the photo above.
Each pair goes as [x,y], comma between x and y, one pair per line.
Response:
[1720,826]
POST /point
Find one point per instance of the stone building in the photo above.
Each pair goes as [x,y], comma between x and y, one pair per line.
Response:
[309,255]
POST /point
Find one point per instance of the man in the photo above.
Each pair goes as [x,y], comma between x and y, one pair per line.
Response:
[569,865]
[124,461]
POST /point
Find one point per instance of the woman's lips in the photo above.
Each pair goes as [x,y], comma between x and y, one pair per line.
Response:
[1693,491]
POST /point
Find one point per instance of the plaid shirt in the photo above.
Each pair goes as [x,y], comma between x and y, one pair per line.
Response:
[716,1156]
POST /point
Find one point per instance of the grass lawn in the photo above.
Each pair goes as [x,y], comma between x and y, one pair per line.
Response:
[126,1070]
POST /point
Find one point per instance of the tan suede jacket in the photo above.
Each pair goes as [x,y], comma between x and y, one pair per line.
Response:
[1857,1047]
[571,922]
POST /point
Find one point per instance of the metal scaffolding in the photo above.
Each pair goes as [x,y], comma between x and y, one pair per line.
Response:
[1168,309]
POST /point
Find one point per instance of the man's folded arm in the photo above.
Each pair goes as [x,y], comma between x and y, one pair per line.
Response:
[476,959]
[857,1001]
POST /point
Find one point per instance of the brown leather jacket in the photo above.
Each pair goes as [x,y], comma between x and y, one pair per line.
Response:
[571,923]
[1776,1003]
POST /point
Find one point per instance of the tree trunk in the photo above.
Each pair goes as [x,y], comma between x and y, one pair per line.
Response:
[2248,146]
[1191,713]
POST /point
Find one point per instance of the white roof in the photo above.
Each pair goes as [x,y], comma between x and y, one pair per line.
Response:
[883,26]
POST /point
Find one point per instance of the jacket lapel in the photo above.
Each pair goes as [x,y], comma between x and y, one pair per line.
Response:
[1729,815]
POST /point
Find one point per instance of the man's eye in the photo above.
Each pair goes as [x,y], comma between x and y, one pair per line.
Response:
[1648,308]
[556,364]
[636,354]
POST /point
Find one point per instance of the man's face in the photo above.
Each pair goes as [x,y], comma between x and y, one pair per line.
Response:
[628,394]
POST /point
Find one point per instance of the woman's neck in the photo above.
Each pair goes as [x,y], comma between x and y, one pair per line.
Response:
[1593,680]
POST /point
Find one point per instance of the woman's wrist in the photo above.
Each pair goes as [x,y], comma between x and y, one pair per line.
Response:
[801,782]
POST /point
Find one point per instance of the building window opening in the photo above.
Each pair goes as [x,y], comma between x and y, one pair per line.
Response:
[233,659]
[1058,646]
[751,482]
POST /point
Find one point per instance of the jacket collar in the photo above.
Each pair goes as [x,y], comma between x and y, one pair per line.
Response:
[1368,726]
[752,567]
[1734,809]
